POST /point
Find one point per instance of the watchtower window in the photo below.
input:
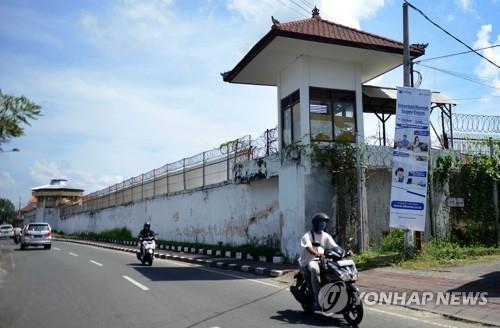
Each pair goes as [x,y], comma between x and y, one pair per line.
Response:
[332,114]
[290,118]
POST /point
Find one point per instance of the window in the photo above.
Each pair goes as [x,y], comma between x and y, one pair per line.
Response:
[290,116]
[332,115]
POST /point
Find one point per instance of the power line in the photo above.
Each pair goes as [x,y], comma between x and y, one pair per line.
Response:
[474,98]
[300,6]
[456,54]
[451,35]
[286,4]
[459,75]
[310,5]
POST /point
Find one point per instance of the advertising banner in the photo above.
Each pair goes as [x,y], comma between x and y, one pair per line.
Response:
[409,159]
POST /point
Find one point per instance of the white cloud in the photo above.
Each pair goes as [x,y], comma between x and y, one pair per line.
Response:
[465,4]
[485,70]
[260,11]
[349,13]
[352,12]
[43,171]
[7,182]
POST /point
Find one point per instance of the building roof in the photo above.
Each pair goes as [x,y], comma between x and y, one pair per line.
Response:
[320,30]
[57,184]
[382,99]
[30,206]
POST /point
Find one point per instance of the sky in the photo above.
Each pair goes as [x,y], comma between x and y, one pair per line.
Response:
[130,85]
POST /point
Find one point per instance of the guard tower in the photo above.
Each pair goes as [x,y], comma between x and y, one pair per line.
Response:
[51,197]
[319,68]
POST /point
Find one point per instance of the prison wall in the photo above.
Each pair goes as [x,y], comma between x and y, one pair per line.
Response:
[229,213]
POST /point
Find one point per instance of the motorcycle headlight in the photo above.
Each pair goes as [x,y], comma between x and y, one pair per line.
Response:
[345,276]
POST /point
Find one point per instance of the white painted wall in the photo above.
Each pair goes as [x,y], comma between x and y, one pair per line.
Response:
[326,73]
[290,78]
[233,214]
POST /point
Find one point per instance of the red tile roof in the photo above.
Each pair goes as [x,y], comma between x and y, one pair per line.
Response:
[320,30]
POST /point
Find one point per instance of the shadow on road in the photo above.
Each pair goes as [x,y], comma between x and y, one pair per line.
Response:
[313,319]
[182,273]
[487,283]
[30,249]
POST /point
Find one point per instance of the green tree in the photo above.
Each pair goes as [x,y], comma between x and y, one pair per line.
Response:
[14,113]
[7,211]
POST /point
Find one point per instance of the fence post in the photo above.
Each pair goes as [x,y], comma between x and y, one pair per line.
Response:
[142,186]
[267,142]
[203,171]
[227,165]
[184,174]
[495,192]
[154,183]
[166,180]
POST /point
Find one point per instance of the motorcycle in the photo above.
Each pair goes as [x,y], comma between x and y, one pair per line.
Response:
[146,251]
[339,292]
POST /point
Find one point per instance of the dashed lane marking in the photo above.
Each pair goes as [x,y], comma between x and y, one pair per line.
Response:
[138,284]
[96,263]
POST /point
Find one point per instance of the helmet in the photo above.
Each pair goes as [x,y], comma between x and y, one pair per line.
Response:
[147,225]
[318,219]
[320,216]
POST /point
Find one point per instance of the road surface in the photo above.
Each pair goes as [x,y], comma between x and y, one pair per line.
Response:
[75,285]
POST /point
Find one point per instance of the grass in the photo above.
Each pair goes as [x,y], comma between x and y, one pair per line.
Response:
[435,253]
[125,234]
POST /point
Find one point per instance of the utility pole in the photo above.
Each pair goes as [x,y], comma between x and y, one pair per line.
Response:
[407,83]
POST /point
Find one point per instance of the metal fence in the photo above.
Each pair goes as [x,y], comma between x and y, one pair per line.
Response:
[207,168]
[474,134]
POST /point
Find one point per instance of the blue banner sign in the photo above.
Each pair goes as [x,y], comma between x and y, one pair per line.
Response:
[409,159]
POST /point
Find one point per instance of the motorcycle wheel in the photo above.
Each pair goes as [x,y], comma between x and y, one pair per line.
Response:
[302,286]
[150,262]
[354,314]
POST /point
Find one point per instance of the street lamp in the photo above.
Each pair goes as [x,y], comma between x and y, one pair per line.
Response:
[13,150]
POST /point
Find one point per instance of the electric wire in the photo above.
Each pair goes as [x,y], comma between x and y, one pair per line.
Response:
[456,54]
[458,75]
[448,33]
[300,6]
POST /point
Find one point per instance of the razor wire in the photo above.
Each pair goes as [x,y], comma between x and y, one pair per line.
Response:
[471,123]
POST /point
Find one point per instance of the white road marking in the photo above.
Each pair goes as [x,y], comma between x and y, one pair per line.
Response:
[411,318]
[138,284]
[96,263]
[57,249]
[72,254]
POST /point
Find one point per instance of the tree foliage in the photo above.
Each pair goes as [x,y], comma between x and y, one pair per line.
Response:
[14,113]
[7,211]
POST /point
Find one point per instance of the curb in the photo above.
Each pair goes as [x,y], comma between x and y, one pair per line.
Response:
[192,250]
[262,271]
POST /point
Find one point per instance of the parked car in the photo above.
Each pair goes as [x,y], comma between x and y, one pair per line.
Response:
[6,231]
[36,234]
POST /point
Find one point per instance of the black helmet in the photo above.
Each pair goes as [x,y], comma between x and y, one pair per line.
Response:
[318,217]
[147,225]
[317,221]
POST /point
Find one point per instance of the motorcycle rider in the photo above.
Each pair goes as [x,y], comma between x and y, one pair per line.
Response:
[146,232]
[308,265]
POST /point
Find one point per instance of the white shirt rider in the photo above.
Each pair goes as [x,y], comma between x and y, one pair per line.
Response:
[323,238]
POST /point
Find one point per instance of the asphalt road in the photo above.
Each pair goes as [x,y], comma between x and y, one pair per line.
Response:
[74,285]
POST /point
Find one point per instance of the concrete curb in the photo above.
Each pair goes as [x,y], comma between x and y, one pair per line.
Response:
[205,262]
[192,250]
